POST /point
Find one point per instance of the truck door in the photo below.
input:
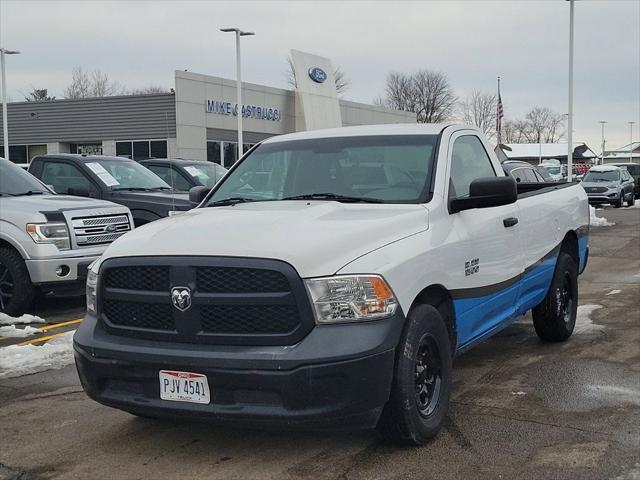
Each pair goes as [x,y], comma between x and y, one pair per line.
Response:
[487,263]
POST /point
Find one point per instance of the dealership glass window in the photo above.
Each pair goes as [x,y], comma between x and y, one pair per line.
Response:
[158,148]
[140,150]
[230,153]
[17,153]
[213,152]
[124,149]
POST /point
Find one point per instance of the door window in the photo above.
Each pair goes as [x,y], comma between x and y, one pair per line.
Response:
[63,176]
[469,161]
[170,176]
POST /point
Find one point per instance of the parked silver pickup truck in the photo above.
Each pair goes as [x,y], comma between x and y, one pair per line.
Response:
[47,241]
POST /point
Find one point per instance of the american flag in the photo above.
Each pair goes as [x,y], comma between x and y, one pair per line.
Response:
[499,115]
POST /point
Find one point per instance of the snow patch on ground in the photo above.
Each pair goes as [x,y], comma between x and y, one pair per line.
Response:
[11,331]
[23,319]
[636,204]
[584,324]
[518,393]
[598,221]
[17,360]
[614,292]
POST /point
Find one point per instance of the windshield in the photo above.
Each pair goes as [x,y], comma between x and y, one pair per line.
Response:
[126,175]
[16,181]
[610,176]
[390,169]
[552,169]
[206,173]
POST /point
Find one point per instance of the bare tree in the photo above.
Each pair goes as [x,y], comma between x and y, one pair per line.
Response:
[342,82]
[428,94]
[95,84]
[480,110]
[38,95]
[149,89]
[540,125]
[544,125]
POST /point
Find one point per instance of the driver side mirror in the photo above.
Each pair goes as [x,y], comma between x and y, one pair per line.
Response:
[197,194]
[487,192]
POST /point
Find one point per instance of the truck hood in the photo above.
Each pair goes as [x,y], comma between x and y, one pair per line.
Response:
[316,237]
[47,203]
[599,184]
[166,198]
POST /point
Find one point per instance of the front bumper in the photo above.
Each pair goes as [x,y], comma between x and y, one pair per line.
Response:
[337,376]
[597,198]
[43,271]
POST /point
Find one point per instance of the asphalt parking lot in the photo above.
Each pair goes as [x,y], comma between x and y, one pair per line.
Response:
[520,408]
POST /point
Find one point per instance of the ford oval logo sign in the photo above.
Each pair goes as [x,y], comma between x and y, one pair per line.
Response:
[317,74]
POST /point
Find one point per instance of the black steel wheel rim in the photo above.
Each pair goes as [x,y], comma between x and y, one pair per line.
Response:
[6,286]
[564,297]
[428,376]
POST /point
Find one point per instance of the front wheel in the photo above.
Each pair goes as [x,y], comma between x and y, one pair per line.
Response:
[421,385]
[17,293]
[618,202]
[555,318]
[631,200]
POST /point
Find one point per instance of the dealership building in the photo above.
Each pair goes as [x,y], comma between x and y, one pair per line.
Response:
[197,120]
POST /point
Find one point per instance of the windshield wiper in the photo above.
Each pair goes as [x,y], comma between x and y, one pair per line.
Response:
[30,192]
[161,188]
[232,201]
[333,196]
[133,189]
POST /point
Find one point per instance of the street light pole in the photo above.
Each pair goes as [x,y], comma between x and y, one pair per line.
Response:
[602,122]
[5,126]
[239,33]
[570,119]
[631,141]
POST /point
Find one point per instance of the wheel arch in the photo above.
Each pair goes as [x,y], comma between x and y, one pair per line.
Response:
[439,297]
[569,246]
[5,243]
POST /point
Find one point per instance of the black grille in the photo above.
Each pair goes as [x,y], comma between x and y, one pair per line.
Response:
[138,278]
[234,301]
[268,319]
[240,280]
[154,316]
[596,189]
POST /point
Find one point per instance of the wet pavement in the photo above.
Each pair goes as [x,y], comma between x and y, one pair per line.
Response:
[520,409]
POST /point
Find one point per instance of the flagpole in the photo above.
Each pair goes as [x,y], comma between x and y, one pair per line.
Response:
[498,117]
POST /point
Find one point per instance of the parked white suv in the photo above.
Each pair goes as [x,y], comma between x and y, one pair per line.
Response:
[47,241]
[328,279]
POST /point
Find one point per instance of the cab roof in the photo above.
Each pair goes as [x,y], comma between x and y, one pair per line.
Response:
[604,168]
[367,130]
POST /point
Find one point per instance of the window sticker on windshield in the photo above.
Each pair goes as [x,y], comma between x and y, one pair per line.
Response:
[194,171]
[103,175]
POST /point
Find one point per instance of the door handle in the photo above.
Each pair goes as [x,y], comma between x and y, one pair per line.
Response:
[509,222]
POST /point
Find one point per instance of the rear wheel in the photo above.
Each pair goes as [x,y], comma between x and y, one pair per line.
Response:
[422,380]
[555,318]
[17,293]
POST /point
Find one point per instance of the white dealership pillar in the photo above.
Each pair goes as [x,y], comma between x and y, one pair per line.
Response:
[5,122]
[570,119]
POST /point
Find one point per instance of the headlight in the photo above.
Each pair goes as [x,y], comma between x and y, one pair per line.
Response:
[348,298]
[92,287]
[55,233]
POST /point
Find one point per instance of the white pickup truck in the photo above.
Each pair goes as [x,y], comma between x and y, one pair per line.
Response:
[329,279]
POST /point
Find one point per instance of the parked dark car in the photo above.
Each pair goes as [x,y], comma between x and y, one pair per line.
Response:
[609,184]
[185,174]
[524,172]
[634,171]
[116,179]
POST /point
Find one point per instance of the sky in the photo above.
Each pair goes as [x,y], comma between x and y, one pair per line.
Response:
[525,42]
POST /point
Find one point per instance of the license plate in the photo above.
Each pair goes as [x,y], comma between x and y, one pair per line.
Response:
[184,387]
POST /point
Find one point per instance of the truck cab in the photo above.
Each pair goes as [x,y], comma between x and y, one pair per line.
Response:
[117,179]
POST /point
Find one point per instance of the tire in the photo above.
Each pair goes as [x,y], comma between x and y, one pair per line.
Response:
[419,398]
[631,200]
[17,293]
[555,317]
[618,202]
